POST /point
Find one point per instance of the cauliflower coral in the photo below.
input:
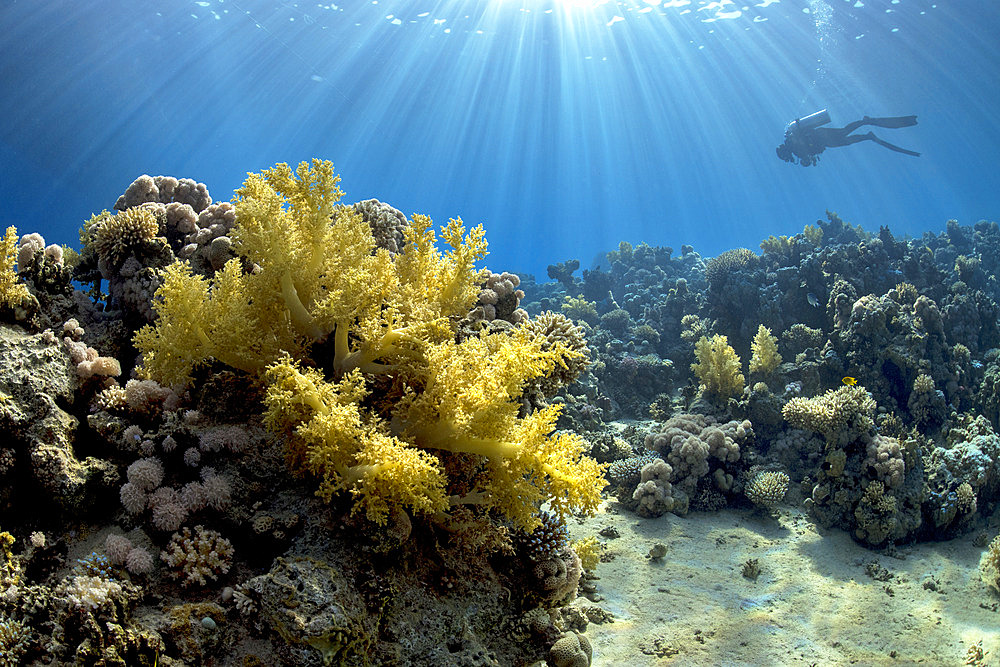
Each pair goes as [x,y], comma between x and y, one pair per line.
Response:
[398,391]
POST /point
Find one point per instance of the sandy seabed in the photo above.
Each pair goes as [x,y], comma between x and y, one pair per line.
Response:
[815,601]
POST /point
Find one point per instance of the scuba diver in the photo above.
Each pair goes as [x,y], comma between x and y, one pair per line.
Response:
[805,138]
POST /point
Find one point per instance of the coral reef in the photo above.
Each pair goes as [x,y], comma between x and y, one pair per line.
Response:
[296,431]
[425,431]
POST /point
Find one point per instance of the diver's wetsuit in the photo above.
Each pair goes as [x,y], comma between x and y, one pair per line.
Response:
[807,143]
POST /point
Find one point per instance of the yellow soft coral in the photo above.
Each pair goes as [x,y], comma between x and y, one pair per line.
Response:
[316,273]
[764,357]
[348,450]
[589,551]
[467,404]
[470,405]
[12,291]
[718,367]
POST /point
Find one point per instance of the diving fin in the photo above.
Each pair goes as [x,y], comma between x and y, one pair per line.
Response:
[891,147]
[892,122]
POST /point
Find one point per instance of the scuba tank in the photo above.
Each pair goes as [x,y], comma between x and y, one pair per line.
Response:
[810,122]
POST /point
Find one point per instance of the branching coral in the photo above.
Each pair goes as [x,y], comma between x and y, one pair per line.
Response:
[554,329]
[718,269]
[841,415]
[113,237]
[579,308]
[767,488]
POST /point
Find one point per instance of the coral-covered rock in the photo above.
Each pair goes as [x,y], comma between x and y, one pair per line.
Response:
[317,612]
[38,376]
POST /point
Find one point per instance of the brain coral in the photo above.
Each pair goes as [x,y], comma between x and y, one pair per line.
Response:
[571,650]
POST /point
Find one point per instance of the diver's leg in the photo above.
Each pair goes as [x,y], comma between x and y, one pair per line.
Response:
[837,137]
[892,147]
[891,122]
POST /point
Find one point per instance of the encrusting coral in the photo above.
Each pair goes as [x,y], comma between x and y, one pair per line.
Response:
[319,277]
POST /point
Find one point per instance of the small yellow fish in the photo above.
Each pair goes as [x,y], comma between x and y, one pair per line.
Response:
[849,381]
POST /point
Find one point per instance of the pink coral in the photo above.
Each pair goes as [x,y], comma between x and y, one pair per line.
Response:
[139,561]
[146,474]
[133,498]
[116,548]
[168,511]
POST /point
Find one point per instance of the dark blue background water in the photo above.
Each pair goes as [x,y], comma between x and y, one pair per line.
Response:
[563,126]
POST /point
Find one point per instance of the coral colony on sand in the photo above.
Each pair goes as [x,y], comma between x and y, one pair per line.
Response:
[286,430]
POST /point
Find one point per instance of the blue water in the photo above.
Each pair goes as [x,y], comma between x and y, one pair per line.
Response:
[564,126]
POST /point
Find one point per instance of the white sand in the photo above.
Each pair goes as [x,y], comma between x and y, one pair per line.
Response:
[813,602]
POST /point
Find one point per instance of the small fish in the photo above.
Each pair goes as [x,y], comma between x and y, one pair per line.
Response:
[849,381]
[813,301]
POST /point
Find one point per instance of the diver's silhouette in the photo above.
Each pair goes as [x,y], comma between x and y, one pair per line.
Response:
[805,139]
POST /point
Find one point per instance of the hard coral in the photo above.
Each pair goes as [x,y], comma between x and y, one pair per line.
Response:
[841,415]
[554,329]
[571,650]
[718,269]
[198,556]
[113,237]
[767,488]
